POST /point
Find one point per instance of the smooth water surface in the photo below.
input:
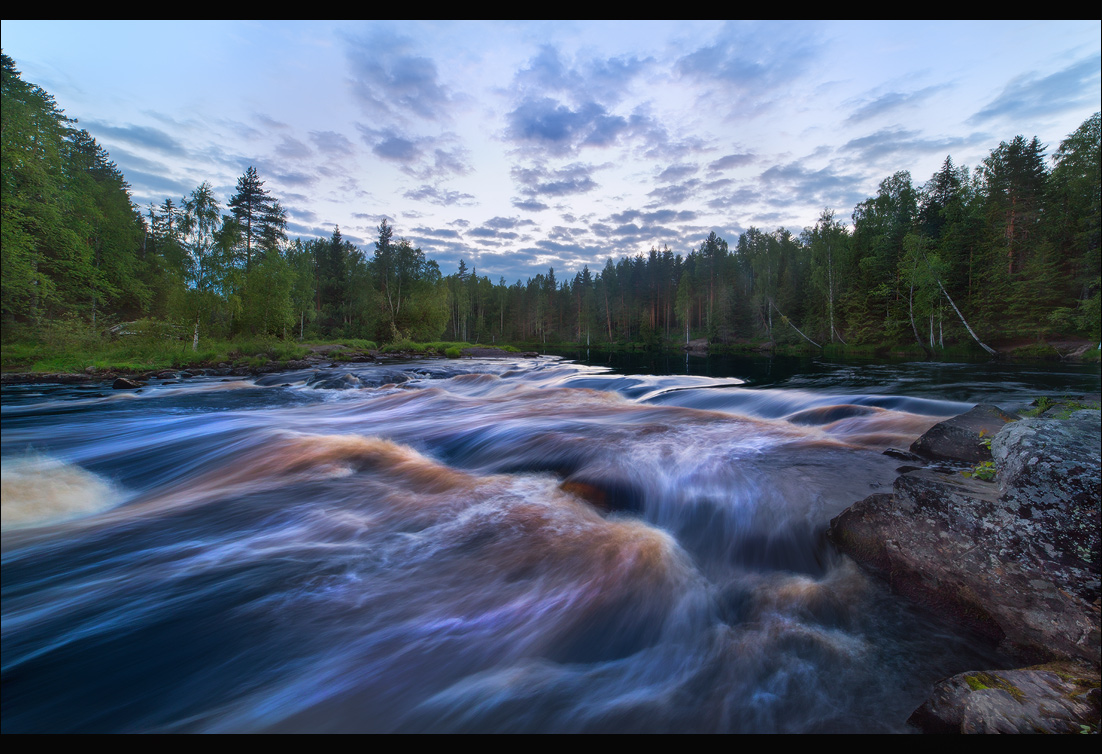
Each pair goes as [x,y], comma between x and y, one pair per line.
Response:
[529,545]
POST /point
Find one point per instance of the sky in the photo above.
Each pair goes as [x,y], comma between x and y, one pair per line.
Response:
[523,146]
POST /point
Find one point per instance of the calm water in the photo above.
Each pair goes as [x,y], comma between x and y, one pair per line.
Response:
[472,546]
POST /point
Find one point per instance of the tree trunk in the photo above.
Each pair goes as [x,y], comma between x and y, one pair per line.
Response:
[790,324]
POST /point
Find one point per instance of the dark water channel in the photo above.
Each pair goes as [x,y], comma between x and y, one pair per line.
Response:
[541,545]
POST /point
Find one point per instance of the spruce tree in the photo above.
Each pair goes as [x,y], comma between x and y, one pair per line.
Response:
[255,211]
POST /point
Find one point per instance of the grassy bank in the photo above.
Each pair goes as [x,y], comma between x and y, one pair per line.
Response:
[72,348]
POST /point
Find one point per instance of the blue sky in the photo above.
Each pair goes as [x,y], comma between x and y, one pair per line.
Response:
[519,146]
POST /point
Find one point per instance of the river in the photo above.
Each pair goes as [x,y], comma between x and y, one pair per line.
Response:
[551,545]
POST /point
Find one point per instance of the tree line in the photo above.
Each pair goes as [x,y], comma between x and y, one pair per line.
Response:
[1007,250]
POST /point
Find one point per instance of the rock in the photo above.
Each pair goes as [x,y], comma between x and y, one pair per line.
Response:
[828,414]
[697,345]
[959,438]
[903,455]
[123,383]
[1053,698]
[1051,471]
[1017,560]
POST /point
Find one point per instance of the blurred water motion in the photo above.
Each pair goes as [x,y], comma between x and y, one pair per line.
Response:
[459,546]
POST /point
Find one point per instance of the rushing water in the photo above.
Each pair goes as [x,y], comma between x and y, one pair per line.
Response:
[471,546]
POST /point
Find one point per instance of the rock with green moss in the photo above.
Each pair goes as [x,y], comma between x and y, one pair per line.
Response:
[1052,698]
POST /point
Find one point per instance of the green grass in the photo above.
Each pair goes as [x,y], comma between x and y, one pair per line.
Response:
[73,347]
[1065,407]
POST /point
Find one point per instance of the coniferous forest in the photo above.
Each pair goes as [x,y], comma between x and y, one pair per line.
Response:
[1006,251]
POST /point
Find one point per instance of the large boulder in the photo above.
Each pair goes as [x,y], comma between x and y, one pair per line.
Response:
[1017,559]
[962,438]
[1055,698]
[1050,474]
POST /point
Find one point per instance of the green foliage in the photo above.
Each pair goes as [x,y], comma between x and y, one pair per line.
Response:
[984,471]
[452,353]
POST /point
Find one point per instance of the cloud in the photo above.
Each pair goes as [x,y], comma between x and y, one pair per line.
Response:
[674,193]
[291,148]
[677,172]
[752,63]
[450,161]
[508,222]
[565,181]
[417,156]
[561,232]
[154,186]
[595,79]
[296,178]
[659,216]
[492,233]
[825,186]
[891,141]
[441,197]
[436,232]
[268,121]
[562,107]
[303,214]
[742,197]
[736,160]
[332,143]
[1032,94]
[551,125]
[390,80]
[142,136]
[391,146]
[530,205]
[890,101]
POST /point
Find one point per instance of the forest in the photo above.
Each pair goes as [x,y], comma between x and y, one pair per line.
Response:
[1004,252]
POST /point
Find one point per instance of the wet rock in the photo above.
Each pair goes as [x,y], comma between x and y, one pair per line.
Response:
[960,438]
[1017,560]
[903,455]
[1053,698]
[606,493]
[122,383]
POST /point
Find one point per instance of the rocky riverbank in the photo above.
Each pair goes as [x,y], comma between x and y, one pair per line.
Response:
[998,527]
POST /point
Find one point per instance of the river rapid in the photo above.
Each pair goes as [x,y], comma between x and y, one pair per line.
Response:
[470,546]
